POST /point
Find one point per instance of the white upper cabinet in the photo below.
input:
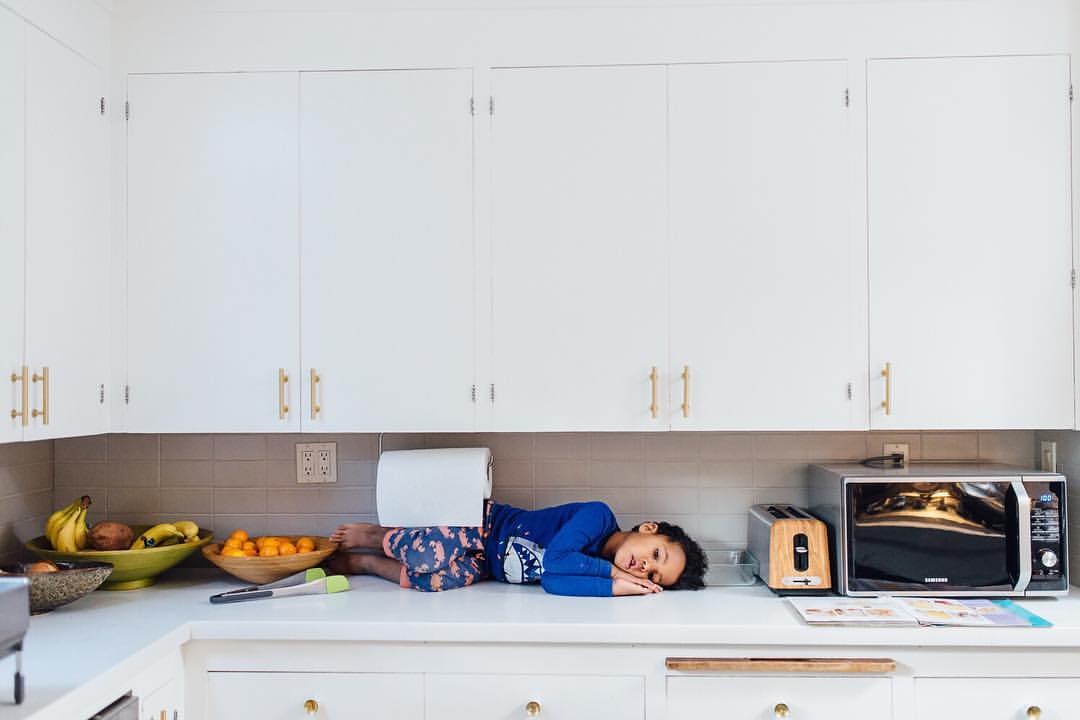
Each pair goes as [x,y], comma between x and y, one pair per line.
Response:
[388,284]
[213,253]
[12,231]
[765,315]
[970,243]
[578,248]
[67,247]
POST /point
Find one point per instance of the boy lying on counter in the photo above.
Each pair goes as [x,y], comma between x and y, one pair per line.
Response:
[574,549]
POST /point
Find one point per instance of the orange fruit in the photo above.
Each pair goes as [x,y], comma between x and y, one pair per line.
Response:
[249,551]
[264,541]
[240,534]
[287,548]
[232,552]
[234,543]
[305,544]
[248,545]
[268,551]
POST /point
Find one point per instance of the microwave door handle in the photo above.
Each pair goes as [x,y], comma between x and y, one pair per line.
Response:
[1023,509]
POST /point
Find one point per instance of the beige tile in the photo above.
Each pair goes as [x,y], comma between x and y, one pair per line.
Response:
[560,474]
[617,446]
[621,500]
[314,524]
[727,446]
[94,447]
[239,473]
[25,478]
[314,500]
[75,474]
[561,446]
[186,501]
[187,473]
[453,440]
[726,501]
[950,445]
[616,473]
[509,446]
[357,447]
[239,447]
[40,451]
[133,473]
[283,446]
[628,521]
[875,442]
[134,500]
[797,496]
[282,473]
[187,447]
[512,473]
[354,472]
[780,446]
[134,447]
[402,441]
[678,446]
[240,501]
[721,531]
[735,473]
[671,474]
[779,473]
[17,507]
[549,497]
[665,501]
[224,523]
[519,497]
[834,446]
[1013,447]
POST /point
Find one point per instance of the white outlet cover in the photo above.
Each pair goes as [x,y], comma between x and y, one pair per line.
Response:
[316,463]
[902,448]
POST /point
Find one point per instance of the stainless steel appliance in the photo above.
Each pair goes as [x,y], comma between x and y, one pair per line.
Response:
[956,529]
[14,621]
[792,549]
[126,708]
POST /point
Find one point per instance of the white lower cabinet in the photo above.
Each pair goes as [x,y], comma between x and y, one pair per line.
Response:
[326,696]
[997,698]
[160,689]
[765,698]
[551,697]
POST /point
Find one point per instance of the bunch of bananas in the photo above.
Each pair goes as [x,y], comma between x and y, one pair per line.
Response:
[167,534]
[66,528]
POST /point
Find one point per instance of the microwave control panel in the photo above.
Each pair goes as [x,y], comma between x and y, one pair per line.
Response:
[1047,521]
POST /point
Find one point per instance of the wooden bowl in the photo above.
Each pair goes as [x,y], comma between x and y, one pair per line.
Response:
[262,570]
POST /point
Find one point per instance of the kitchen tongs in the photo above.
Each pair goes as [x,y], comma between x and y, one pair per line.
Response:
[309,582]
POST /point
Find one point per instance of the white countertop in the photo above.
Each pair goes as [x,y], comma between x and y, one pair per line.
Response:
[82,653]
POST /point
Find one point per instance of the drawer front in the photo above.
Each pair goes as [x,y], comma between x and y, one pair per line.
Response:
[336,696]
[770,697]
[998,698]
[556,697]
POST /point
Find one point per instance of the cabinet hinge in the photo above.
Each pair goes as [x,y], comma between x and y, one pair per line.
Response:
[491,105]
[1072,277]
[1071,93]
[127,394]
[474,393]
[101,105]
[492,392]
[847,97]
[850,391]
[127,110]
[472,106]
[101,394]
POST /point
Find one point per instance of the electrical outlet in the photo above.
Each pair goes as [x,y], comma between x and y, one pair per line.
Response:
[1049,456]
[898,448]
[316,463]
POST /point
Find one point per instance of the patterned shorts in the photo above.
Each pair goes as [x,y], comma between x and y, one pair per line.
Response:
[438,558]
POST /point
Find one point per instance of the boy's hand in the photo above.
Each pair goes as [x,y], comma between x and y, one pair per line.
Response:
[623,583]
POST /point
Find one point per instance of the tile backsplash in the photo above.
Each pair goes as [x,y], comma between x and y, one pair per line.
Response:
[26,494]
[703,481]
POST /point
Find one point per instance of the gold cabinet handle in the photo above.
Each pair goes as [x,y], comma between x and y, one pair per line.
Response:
[686,391]
[282,393]
[887,402]
[532,708]
[23,378]
[43,378]
[1034,712]
[847,666]
[311,707]
[652,381]
[316,408]
[781,710]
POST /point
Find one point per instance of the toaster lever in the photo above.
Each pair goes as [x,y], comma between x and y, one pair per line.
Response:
[800,552]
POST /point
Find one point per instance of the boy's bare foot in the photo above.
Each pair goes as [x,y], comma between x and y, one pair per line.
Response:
[359,535]
[345,563]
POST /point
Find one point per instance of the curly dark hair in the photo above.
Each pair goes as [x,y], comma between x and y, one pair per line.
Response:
[693,575]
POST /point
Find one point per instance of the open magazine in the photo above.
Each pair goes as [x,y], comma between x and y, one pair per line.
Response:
[911,611]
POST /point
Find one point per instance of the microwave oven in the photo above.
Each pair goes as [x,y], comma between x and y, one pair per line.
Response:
[943,530]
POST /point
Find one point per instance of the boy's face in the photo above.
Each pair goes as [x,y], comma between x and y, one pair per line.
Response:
[649,555]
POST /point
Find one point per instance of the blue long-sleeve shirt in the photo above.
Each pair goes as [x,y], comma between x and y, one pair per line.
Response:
[559,547]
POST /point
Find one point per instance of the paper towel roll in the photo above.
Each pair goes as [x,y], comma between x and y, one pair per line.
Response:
[417,488]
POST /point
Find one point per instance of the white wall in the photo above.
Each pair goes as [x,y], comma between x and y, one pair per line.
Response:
[82,25]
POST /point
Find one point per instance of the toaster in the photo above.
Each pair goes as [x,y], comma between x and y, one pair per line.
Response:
[792,550]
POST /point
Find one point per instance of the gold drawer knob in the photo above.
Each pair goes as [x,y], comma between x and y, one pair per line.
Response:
[311,707]
[532,708]
[781,710]
[1034,712]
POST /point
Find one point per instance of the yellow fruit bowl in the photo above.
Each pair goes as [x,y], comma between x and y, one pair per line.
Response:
[132,569]
[262,570]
